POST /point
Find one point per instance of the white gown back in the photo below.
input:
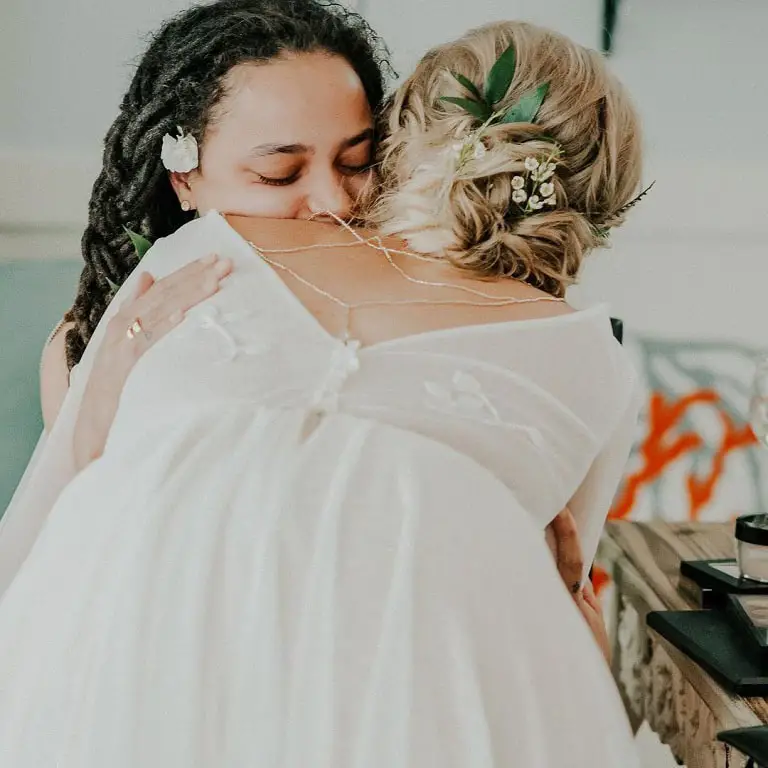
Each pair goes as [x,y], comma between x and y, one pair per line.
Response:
[297,553]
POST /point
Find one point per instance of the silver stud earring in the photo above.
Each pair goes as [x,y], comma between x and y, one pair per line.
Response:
[186,205]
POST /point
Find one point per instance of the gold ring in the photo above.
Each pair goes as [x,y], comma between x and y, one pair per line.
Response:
[135,329]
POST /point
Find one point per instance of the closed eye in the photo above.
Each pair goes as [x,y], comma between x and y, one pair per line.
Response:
[355,169]
[281,181]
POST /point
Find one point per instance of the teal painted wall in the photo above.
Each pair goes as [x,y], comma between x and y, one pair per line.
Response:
[33,297]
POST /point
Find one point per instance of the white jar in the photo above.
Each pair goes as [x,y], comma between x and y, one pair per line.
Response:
[752,546]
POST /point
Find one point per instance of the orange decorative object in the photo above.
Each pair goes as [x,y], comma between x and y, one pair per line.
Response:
[701,490]
[661,447]
[600,579]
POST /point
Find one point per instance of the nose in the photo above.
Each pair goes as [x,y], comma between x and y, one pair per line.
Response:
[329,194]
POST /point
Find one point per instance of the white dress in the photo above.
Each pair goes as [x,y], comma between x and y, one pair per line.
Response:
[295,553]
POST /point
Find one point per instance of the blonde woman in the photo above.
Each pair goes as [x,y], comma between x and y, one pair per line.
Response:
[308,530]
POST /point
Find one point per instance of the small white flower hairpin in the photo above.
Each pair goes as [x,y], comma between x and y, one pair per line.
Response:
[534,190]
[179,153]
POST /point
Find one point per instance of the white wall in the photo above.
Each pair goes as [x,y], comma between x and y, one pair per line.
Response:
[693,261]
[412,26]
[64,65]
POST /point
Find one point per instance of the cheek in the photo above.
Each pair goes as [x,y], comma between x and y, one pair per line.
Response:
[266,202]
[245,198]
[357,184]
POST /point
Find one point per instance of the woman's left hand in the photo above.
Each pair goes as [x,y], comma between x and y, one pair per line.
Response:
[564,543]
[589,605]
[563,540]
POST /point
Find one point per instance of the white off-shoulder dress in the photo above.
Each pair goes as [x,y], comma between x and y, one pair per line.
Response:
[299,553]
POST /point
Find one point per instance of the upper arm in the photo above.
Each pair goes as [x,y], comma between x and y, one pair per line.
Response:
[592,501]
[54,376]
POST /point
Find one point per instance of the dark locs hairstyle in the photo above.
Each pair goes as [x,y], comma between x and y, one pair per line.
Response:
[179,82]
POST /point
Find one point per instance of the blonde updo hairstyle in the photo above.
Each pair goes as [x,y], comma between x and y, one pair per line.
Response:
[468,215]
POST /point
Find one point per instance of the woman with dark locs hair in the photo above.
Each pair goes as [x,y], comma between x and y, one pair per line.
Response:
[290,511]
[181,80]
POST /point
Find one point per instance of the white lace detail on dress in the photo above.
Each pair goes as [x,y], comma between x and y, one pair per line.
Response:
[464,397]
[209,317]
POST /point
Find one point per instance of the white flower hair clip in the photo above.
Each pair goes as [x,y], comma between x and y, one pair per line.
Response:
[179,153]
[534,190]
[531,191]
[472,148]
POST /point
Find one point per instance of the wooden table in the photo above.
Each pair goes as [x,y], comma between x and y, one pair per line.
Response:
[680,701]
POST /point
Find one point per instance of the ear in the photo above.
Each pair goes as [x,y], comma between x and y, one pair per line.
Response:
[182,186]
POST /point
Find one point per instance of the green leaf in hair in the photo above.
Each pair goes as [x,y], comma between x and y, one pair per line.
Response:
[528,106]
[635,200]
[602,233]
[541,191]
[475,108]
[466,83]
[140,243]
[113,287]
[500,77]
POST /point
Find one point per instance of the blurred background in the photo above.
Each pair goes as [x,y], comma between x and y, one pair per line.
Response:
[687,275]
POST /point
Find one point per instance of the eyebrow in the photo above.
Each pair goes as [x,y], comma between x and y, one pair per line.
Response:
[262,150]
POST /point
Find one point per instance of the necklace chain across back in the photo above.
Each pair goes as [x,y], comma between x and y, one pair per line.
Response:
[377,244]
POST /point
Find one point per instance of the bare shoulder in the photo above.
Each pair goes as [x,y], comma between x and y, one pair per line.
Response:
[264,231]
[54,375]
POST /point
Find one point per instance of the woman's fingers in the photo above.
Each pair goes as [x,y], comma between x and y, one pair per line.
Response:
[183,290]
[154,330]
[551,540]
[590,598]
[176,293]
[143,284]
[587,603]
[570,560]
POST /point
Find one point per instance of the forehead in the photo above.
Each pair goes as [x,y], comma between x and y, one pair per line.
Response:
[294,98]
